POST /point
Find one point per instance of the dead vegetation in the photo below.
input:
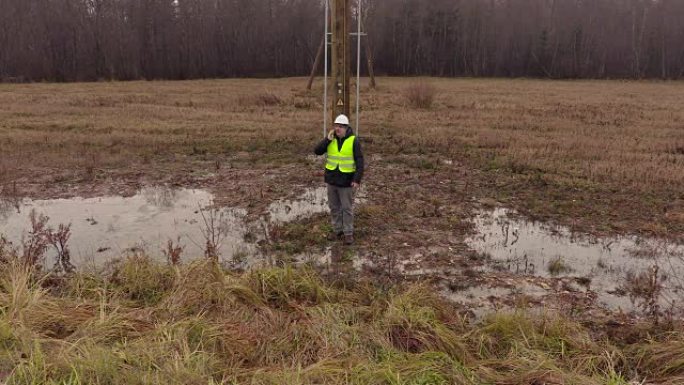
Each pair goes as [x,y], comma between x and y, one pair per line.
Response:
[139,322]
[173,252]
[263,99]
[35,243]
[607,153]
[645,289]
[420,94]
[558,266]
[597,156]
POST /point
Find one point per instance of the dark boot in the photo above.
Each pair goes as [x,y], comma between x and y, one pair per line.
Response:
[333,236]
[348,239]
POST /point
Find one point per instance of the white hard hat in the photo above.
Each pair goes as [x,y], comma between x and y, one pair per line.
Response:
[342,119]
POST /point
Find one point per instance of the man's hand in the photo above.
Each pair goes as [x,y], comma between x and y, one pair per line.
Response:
[355,185]
[331,135]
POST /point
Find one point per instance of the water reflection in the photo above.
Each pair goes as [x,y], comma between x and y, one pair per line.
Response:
[5,210]
[107,227]
[531,248]
[313,201]
[160,196]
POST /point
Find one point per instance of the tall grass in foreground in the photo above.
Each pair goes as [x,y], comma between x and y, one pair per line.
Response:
[138,322]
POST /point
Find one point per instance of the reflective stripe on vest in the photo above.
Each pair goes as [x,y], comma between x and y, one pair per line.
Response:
[344,158]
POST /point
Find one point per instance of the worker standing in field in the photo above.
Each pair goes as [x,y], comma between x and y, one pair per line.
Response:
[343,173]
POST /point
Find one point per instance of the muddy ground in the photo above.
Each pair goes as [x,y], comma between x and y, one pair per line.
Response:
[601,158]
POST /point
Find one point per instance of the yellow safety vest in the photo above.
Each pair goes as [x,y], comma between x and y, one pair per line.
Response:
[344,159]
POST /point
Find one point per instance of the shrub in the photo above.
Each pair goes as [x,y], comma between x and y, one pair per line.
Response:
[420,95]
[262,99]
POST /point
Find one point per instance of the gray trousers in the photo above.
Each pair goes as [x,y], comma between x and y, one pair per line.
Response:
[340,201]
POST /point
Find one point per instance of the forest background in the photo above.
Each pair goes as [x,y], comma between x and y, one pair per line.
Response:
[86,40]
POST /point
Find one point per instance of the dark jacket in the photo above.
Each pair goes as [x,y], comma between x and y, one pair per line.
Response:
[335,177]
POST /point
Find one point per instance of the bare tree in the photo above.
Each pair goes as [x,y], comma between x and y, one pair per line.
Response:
[73,40]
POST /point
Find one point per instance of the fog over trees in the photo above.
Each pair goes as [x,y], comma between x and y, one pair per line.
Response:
[77,40]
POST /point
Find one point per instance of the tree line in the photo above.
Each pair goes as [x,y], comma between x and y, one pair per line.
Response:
[80,40]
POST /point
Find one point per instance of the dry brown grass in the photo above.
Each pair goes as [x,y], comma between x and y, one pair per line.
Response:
[609,151]
[287,326]
[603,154]
[420,94]
[600,131]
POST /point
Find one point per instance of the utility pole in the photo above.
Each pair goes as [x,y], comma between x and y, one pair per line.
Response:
[341,56]
[340,24]
[321,50]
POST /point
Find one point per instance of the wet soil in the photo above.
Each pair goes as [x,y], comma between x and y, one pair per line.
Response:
[418,222]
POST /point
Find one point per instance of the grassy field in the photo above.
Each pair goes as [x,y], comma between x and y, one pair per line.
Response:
[144,323]
[601,157]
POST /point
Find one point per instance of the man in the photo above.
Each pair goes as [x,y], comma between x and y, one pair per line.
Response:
[343,173]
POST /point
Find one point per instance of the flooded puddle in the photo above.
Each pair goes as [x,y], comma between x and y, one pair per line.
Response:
[313,201]
[107,227]
[484,299]
[612,267]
